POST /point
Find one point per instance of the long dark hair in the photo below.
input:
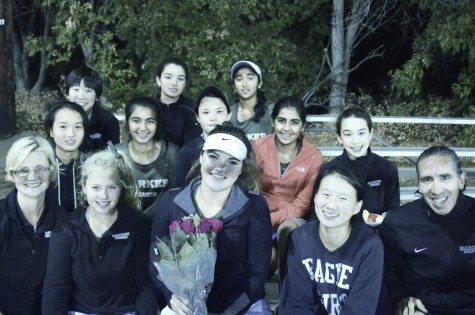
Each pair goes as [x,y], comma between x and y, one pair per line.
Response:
[290,102]
[146,102]
[260,108]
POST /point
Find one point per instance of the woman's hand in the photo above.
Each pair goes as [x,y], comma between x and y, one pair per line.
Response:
[179,305]
[410,306]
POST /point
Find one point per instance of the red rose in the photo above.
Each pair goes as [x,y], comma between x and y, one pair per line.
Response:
[188,227]
[205,225]
[216,225]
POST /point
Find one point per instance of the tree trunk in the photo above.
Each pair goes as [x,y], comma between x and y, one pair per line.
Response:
[19,77]
[338,88]
[7,79]
[42,72]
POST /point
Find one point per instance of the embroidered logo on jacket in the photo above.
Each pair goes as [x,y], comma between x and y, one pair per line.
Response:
[121,236]
[374,183]
[96,135]
[418,250]
[47,234]
[469,249]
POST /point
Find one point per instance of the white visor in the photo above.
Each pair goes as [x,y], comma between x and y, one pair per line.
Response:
[227,143]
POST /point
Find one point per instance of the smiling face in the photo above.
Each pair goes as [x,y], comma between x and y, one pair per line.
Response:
[171,82]
[246,83]
[35,183]
[211,112]
[219,170]
[67,131]
[102,189]
[287,126]
[82,95]
[439,183]
[355,137]
[142,125]
[336,202]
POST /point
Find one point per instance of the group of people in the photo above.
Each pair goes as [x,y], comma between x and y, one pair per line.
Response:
[77,232]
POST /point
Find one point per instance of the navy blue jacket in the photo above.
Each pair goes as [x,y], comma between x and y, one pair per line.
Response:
[105,276]
[243,247]
[432,257]
[104,127]
[23,255]
[344,281]
[187,155]
[381,177]
[180,121]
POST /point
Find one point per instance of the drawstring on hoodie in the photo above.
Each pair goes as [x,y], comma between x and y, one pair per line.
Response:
[58,182]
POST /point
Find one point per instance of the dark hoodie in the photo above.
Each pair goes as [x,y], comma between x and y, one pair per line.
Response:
[65,190]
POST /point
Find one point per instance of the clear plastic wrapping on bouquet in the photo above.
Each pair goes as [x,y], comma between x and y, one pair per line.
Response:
[185,259]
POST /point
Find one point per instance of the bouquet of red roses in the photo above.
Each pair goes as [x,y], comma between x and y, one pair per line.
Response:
[186,259]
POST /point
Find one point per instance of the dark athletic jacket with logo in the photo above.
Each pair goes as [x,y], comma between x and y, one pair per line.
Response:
[381,178]
[105,276]
[104,127]
[432,257]
[179,120]
[23,256]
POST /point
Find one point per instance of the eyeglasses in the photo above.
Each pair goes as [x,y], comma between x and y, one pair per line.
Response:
[25,171]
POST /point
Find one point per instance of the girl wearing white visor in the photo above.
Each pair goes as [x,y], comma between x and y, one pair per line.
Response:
[226,189]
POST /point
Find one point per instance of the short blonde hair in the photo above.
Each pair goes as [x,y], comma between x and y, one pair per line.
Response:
[20,150]
[117,163]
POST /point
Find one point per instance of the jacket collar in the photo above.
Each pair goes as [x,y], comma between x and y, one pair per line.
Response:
[362,160]
[236,201]
[48,218]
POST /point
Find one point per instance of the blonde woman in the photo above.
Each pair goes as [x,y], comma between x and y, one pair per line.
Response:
[26,221]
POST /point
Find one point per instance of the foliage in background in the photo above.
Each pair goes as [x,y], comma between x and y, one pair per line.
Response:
[447,43]
[31,109]
[125,41]
[92,27]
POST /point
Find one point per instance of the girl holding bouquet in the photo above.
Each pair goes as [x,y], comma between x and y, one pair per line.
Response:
[97,263]
[225,190]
